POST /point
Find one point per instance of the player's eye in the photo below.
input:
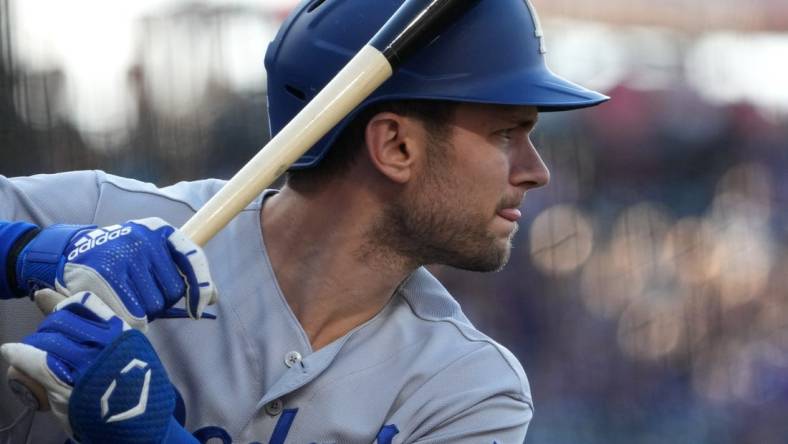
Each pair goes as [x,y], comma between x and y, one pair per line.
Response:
[506,134]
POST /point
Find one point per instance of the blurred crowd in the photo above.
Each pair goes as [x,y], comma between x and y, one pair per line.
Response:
[646,294]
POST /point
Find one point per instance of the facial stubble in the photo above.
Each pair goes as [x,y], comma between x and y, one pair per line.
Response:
[435,225]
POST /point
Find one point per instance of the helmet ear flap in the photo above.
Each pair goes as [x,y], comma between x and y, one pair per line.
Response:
[493,54]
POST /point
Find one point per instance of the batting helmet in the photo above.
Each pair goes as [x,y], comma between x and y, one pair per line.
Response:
[493,54]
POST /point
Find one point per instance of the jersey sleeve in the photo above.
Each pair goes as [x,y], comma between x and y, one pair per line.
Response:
[498,420]
[483,397]
[46,199]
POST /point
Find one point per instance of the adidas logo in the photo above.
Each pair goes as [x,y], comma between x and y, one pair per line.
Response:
[97,237]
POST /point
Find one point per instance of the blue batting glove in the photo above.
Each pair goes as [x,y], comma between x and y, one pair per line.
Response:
[103,379]
[140,269]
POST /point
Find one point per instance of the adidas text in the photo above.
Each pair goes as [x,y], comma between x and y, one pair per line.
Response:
[96,238]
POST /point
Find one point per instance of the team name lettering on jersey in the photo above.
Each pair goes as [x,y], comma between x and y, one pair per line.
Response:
[214,433]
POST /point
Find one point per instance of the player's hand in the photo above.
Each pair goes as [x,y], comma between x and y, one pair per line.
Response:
[103,379]
[140,269]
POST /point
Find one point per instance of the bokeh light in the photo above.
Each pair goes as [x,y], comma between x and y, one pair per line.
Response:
[623,269]
[652,327]
[561,240]
[743,259]
[689,245]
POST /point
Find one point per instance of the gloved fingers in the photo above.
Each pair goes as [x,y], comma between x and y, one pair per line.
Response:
[54,349]
[60,329]
[65,348]
[90,306]
[169,281]
[33,362]
[81,326]
[75,334]
[105,259]
[140,269]
[148,293]
[193,265]
[122,299]
[46,299]
[63,355]
[174,280]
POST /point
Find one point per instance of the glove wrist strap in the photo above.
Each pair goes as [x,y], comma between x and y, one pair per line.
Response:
[13,237]
[38,262]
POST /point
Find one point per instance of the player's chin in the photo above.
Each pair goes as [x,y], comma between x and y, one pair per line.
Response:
[493,257]
[503,249]
[504,252]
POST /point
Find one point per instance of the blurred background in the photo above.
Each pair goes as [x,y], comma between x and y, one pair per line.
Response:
[646,296]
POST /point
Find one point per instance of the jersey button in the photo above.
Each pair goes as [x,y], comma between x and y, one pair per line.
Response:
[292,358]
[274,407]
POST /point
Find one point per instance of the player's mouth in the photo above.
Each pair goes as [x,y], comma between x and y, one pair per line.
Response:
[510,214]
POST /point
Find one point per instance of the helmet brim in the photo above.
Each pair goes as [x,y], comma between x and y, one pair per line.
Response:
[538,87]
[555,93]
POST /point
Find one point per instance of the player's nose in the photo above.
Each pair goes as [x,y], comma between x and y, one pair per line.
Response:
[528,170]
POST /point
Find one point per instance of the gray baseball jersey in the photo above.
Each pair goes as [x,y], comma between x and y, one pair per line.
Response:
[418,372]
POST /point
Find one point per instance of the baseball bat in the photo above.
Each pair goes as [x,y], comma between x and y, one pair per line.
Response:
[413,25]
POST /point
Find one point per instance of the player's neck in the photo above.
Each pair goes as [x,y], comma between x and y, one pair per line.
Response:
[319,252]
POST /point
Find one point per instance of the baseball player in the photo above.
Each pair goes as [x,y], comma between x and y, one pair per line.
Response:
[328,328]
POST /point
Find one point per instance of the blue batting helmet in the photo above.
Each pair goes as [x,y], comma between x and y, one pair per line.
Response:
[493,54]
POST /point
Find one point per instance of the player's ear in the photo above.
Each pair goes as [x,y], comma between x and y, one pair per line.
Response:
[394,144]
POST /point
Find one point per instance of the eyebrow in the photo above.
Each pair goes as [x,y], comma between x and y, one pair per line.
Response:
[524,121]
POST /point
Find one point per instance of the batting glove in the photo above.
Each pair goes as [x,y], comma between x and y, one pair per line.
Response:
[103,379]
[140,269]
